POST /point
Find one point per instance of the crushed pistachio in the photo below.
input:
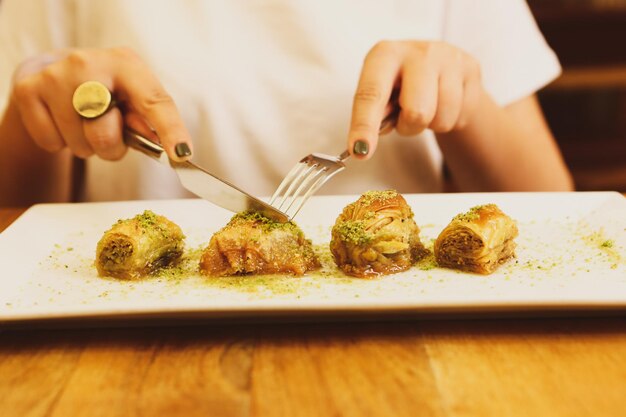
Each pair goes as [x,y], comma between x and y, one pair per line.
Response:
[370,196]
[354,231]
[597,239]
[427,263]
[187,266]
[607,244]
[264,222]
[149,221]
[146,219]
[472,214]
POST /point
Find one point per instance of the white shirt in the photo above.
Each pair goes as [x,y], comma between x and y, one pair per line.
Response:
[261,83]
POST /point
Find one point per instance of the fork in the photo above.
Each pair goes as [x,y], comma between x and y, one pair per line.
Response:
[313,171]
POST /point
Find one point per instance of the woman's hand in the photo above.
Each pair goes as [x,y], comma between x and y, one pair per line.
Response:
[437,87]
[43,87]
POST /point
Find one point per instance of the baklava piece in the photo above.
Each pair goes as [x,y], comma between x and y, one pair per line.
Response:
[139,246]
[252,244]
[376,235]
[477,241]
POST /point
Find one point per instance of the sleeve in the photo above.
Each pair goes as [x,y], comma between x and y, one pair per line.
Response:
[503,36]
[27,28]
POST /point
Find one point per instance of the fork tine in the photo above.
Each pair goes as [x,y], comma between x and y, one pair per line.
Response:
[304,185]
[316,169]
[295,183]
[313,189]
[287,181]
[304,179]
[303,199]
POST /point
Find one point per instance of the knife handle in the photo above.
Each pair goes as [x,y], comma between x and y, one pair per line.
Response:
[143,145]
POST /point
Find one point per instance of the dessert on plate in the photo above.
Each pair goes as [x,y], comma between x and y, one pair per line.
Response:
[376,235]
[139,246]
[477,241]
[254,244]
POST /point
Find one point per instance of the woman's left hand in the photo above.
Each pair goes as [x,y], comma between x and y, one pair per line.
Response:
[438,87]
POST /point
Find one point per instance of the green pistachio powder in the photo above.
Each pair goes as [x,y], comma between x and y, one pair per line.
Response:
[149,221]
[260,220]
[354,231]
[470,215]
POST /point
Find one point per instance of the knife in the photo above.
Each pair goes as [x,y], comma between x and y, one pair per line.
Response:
[202,183]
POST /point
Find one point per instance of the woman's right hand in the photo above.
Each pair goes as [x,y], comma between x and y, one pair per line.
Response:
[43,87]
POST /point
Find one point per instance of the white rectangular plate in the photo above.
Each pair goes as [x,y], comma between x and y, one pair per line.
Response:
[570,257]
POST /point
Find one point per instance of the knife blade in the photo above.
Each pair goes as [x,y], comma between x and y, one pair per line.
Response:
[202,183]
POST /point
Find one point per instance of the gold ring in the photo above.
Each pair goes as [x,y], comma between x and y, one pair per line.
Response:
[92,99]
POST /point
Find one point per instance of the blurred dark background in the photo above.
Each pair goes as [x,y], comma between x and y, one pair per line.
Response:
[586,106]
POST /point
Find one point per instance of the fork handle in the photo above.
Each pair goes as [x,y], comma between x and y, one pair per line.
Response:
[344,155]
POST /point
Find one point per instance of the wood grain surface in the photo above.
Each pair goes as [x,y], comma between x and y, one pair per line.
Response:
[507,367]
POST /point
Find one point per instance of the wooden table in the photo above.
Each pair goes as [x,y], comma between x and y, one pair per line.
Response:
[513,367]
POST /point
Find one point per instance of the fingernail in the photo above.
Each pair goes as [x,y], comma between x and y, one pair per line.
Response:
[361,147]
[182,150]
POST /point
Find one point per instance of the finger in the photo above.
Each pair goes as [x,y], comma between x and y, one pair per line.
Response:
[146,96]
[104,135]
[418,96]
[392,110]
[386,130]
[472,91]
[137,123]
[33,65]
[378,77]
[59,100]
[37,119]
[450,102]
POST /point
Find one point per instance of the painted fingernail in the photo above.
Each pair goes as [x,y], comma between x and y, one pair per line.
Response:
[182,150]
[361,147]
